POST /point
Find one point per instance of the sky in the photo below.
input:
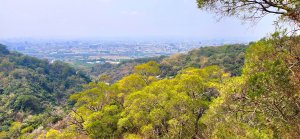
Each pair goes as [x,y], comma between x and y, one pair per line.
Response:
[69,19]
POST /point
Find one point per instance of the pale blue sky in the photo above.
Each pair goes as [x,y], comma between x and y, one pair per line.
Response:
[119,18]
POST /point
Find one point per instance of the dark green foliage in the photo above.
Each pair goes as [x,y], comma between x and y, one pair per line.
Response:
[27,103]
[30,86]
[3,50]
[228,57]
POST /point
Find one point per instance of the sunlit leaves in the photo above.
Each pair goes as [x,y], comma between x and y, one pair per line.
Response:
[262,103]
[147,69]
[171,107]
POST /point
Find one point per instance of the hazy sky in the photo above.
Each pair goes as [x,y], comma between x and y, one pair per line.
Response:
[119,18]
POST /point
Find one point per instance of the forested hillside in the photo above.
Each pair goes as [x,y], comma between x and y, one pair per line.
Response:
[193,100]
[233,91]
[263,102]
[229,57]
[32,90]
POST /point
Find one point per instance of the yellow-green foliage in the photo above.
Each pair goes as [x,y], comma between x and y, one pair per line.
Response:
[140,105]
[263,102]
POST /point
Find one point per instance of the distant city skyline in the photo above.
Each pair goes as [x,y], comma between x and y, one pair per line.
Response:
[120,19]
[100,52]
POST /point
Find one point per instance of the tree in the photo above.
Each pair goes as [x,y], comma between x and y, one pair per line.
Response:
[264,101]
[27,103]
[131,83]
[171,108]
[254,9]
[96,111]
[271,88]
[147,71]
[3,50]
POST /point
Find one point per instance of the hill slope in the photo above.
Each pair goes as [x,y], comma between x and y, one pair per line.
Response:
[29,87]
[229,57]
[196,103]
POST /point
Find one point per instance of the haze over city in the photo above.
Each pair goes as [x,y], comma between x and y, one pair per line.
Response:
[119,19]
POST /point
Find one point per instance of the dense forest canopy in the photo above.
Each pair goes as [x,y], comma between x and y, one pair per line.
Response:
[198,102]
[32,87]
[194,95]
